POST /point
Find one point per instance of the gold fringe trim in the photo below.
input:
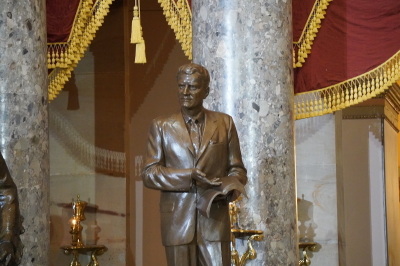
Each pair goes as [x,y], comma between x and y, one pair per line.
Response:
[349,92]
[64,57]
[179,16]
[305,42]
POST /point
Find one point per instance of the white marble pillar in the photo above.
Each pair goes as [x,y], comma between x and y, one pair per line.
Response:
[246,46]
[23,123]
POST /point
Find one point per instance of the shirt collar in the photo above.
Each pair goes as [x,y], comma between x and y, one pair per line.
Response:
[199,117]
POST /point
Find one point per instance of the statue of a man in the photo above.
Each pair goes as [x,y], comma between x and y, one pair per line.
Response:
[10,220]
[188,153]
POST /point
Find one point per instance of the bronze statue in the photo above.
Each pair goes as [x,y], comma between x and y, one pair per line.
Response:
[10,220]
[189,153]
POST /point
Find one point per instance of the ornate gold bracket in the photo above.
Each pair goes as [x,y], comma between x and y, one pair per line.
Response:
[251,252]
[305,261]
[236,232]
[95,250]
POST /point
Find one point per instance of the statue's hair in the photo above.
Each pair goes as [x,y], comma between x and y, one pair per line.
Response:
[192,68]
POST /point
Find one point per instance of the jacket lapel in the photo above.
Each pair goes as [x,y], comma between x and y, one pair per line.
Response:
[180,128]
[209,129]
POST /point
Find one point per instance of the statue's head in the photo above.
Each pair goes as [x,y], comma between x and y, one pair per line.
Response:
[193,68]
[193,85]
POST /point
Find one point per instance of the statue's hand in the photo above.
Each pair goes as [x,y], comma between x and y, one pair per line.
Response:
[7,256]
[199,176]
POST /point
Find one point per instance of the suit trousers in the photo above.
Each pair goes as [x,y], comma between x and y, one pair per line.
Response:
[199,252]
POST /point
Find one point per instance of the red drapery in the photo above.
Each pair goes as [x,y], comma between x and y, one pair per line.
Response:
[355,37]
[60,18]
[60,15]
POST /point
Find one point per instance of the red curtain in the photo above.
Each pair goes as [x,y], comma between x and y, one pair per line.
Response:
[60,18]
[355,37]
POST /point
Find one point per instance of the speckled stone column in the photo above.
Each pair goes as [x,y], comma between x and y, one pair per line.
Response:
[23,118]
[246,46]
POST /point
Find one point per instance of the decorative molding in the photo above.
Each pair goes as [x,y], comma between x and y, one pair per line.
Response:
[374,108]
[393,96]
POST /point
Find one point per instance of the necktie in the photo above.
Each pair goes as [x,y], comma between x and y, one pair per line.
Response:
[195,134]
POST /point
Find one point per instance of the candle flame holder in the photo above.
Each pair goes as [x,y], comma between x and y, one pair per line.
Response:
[78,207]
[77,247]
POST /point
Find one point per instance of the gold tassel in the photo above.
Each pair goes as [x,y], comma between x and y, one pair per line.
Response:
[136,34]
[294,58]
[48,58]
[140,55]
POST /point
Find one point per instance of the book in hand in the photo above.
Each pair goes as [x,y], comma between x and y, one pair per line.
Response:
[228,184]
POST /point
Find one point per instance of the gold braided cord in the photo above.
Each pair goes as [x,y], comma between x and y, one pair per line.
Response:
[179,16]
[305,42]
[64,57]
[349,92]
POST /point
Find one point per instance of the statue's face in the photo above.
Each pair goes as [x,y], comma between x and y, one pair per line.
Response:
[191,90]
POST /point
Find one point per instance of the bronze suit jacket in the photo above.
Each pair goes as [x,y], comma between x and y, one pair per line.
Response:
[170,157]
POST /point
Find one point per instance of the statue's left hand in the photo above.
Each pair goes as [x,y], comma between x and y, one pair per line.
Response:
[7,256]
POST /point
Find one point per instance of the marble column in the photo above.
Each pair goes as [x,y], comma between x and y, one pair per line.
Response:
[246,46]
[23,123]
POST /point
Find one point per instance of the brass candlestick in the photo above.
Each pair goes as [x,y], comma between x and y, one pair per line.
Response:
[78,207]
[77,247]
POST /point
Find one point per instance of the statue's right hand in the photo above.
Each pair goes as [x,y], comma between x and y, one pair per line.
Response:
[201,177]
